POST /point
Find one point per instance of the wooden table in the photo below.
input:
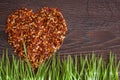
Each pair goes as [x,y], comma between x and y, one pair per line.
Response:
[93,25]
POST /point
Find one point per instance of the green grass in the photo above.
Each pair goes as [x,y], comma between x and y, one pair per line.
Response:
[70,68]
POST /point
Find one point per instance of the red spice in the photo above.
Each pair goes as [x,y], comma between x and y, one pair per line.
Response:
[42,32]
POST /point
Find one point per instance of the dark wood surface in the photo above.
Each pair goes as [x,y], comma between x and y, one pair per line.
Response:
[93,25]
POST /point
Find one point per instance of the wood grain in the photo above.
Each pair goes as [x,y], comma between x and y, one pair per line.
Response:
[93,25]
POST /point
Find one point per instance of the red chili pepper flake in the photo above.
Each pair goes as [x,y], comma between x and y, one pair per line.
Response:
[42,32]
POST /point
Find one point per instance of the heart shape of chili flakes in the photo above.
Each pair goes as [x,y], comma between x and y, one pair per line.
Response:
[42,32]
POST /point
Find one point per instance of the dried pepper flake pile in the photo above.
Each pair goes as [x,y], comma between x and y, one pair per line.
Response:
[42,32]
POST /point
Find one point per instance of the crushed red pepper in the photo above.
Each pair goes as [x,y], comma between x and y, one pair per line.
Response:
[42,32]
